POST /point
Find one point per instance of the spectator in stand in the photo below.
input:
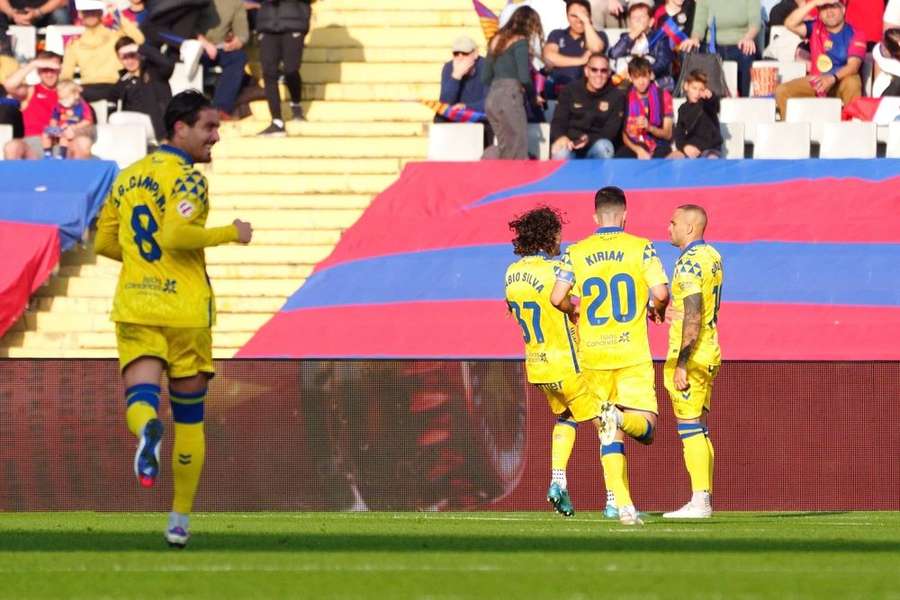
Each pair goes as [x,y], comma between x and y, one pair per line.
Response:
[282,27]
[648,115]
[887,65]
[36,13]
[608,13]
[836,50]
[642,40]
[781,11]
[172,26]
[568,50]
[8,63]
[681,11]
[94,53]
[866,18]
[552,14]
[10,104]
[588,119]
[71,124]
[737,24]
[38,100]
[507,72]
[226,33]
[461,84]
[143,84]
[697,133]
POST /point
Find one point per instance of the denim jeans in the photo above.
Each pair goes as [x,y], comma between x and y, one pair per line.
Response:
[602,148]
[744,63]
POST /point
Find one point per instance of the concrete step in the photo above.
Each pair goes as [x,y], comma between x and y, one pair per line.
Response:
[393,37]
[357,91]
[251,126]
[101,306]
[267,255]
[104,288]
[350,6]
[397,18]
[313,166]
[372,73]
[336,147]
[313,201]
[293,219]
[300,184]
[347,111]
[248,271]
[436,56]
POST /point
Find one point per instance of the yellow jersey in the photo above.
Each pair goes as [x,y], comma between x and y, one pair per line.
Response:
[154,222]
[698,271]
[550,352]
[613,272]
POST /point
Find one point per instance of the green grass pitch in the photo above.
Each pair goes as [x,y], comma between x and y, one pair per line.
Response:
[451,555]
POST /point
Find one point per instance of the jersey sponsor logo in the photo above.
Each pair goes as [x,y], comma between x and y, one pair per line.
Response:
[603,106]
[186,209]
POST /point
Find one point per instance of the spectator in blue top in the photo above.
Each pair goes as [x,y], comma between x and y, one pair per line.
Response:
[567,51]
[461,77]
[642,40]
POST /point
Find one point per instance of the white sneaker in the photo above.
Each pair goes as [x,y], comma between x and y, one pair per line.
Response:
[177,532]
[628,515]
[691,510]
[609,419]
[191,52]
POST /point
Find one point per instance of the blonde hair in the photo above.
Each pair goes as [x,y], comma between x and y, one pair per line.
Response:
[68,89]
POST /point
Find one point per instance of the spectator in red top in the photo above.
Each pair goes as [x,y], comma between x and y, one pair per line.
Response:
[40,101]
[71,124]
[865,16]
[836,51]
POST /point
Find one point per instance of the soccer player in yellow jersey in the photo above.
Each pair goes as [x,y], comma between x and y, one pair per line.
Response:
[551,358]
[154,223]
[694,355]
[616,274]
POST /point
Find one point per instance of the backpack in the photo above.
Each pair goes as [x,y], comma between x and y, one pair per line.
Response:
[711,64]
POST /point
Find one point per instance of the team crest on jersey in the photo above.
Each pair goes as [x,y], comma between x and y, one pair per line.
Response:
[186,209]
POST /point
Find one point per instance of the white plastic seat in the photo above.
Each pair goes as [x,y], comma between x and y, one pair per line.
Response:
[815,111]
[128,117]
[782,44]
[851,139]
[57,35]
[676,104]
[6,134]
[732,140]
[893,140]
[101,111]
[613,35]
[749,111]
[455,141]
[179,81]
[539,140]
[730,70]
[24,41]
[124,144]
[781,140]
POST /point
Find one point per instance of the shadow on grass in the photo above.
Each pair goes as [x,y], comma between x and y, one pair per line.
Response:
[18,540]
[824,513]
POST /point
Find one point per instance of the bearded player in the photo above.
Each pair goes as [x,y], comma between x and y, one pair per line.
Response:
[551,358]
[154,223]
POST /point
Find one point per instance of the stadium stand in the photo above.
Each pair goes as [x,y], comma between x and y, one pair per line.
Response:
[816,112]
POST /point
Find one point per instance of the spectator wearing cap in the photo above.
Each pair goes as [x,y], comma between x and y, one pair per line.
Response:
[461,83]
[836,51]
[34,13]
[38,100]
[648,115]
[143,84]
[94,53]
[568,50]
[588,119]
[226,33]
[737,23]
[642,40]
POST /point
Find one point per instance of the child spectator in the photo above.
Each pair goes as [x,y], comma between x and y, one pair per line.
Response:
[697,133]
[143,84]
[648,116]
[641,40]
[70,120]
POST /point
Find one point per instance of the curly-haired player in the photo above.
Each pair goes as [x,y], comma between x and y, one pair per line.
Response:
[551,358]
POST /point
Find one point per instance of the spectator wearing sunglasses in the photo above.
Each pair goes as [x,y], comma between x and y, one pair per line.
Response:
[836,50]
[589,117]
[143,84]
[461,83]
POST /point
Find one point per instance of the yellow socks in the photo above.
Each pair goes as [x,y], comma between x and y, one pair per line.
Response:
[561,449]
[697,455]
[189,450]
[614,471]
[142,401]
[637,427]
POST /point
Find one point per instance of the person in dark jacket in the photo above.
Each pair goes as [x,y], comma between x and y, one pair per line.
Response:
[143,84]
[461,82]
[642,40]
[588,119]
[282,27]
[697,133]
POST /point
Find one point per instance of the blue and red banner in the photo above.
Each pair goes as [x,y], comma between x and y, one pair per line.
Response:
[810,251]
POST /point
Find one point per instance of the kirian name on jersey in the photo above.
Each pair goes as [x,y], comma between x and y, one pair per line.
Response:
[528,278]
[604,256]
[145,183]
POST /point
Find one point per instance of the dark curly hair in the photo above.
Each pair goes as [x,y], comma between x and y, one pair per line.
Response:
[536,231]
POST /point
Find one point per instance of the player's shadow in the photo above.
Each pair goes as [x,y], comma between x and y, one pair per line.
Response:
[20,540]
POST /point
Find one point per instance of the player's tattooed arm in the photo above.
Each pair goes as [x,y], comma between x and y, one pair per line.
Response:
[690,332]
